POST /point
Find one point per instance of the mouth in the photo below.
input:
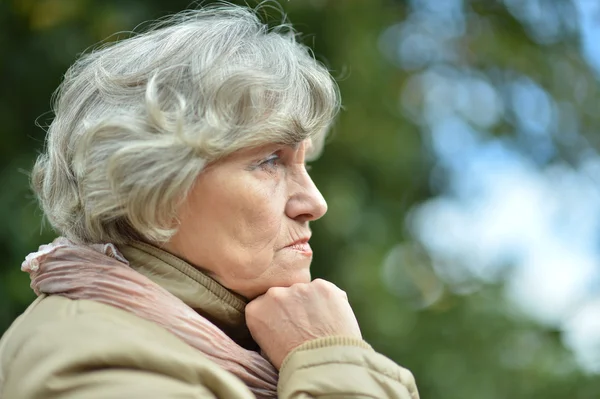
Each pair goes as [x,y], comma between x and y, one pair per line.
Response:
[301,246]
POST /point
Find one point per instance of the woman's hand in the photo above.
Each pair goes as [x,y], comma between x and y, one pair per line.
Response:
[284,318]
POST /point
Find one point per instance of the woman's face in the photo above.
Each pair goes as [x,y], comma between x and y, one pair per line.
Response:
[246,220]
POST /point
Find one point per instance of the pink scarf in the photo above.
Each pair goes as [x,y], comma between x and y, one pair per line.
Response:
[100,273]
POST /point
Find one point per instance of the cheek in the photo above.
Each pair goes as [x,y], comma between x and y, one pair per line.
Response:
[234,225]
[259,217]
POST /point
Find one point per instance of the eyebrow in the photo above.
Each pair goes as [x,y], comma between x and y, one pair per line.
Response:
[296,144]
[293,145]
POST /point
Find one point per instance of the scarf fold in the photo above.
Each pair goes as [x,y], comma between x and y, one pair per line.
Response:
[100,273]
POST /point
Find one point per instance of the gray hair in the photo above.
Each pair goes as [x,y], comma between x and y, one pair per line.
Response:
[137,120]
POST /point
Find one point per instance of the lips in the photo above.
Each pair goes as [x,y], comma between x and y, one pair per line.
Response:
[301,245]
[304,247]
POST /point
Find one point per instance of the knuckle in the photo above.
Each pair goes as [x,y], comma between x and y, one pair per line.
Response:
[301,287]
[330,290]
[252,307]
[319,282]
[325,285]
[275,292]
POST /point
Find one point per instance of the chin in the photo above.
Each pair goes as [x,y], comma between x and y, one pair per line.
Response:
[287,280]
[295,277]
[300,276]
[281,272]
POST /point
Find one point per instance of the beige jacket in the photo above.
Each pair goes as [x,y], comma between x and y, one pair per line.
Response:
[60,348]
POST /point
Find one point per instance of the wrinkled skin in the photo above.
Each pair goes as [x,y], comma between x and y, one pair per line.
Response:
[242,216]
[246,224]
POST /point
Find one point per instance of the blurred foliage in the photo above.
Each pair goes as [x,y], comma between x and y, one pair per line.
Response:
[378,166]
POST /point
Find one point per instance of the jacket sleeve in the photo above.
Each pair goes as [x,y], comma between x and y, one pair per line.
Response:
[343,367]
[111,383]
[95,356]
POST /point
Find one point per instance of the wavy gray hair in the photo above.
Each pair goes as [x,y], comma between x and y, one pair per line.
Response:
[136,121]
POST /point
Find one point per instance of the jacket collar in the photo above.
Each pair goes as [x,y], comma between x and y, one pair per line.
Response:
[222,307]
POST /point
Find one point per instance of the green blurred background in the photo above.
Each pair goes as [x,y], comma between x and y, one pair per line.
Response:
[462,176]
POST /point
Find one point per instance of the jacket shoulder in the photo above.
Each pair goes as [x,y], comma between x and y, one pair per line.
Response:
[58,339]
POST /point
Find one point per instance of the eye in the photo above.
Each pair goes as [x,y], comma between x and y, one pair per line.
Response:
[271,162]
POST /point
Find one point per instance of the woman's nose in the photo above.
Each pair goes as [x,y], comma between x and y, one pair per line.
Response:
[306,203]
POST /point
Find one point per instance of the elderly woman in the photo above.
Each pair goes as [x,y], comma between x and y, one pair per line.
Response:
[175,173]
